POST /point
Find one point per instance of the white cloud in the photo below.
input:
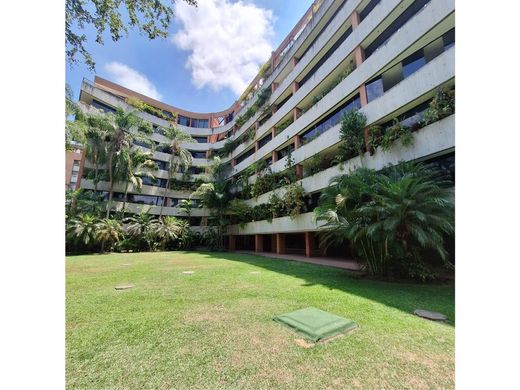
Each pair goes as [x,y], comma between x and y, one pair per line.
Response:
[228,41]
[132,79]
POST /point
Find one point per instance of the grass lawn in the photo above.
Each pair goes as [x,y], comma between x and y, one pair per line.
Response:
[214,329]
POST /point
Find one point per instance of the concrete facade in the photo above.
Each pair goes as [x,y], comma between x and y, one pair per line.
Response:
[299,72]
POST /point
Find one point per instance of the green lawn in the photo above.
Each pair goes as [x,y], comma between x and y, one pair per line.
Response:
[214,328]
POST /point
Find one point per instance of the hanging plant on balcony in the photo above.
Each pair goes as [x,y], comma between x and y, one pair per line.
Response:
[395,132]
[352,135]
[441,106]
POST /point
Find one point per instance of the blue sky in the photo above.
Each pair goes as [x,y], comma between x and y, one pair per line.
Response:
[216,73]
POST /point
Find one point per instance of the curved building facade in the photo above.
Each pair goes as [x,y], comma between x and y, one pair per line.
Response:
[387,58]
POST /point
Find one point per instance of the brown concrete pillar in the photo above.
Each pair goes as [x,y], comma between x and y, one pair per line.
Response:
[274,109]
[299,171]
[363,99]
[232,243]
[295,61]
[295,86]
[274,86]
[233,162]
[280,243]
[296,113]
[355,20]
[273,132]
[275,156]
[359,55]
[259,243]
[309,244]
[256,146]
[297,142]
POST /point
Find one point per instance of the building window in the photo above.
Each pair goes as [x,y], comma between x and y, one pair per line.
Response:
[245,155]
[330,120]
[198,154]
[413,63]
[399,22]
[265,140]
[374,88]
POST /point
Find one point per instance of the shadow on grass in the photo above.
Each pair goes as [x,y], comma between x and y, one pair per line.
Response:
[402,296]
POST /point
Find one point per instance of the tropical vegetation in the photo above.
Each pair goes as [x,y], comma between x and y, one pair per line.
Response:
[399,221]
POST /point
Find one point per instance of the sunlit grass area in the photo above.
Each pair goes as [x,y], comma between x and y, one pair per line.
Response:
[214,328]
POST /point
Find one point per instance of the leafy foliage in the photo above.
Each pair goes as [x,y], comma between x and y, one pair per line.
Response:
[391,217]
[142,106]
[352,134]
[442,105]
[150,17]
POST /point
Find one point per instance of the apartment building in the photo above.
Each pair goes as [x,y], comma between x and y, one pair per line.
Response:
[386,58]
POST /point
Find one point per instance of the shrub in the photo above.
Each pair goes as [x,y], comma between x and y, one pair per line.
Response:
[395,132]
[442,105]
[352,134]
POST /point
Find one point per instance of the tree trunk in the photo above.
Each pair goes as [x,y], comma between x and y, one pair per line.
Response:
[125,199]
[164,196]
[96,173]
[110,178]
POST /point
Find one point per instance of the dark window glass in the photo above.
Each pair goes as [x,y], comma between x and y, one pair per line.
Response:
[198,154]
[324,28]
[413,63]
[369,7]
[374,88]
[201,140]
[330,120]
[283,101]
[449,39]
[184,121]
[265,140]
[269,161]
[285,151]
[326,56]
[392,76]
[102,106]
[401,20]
[163,165]
[245,155]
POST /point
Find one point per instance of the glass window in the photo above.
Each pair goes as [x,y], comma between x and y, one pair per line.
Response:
[449,39]
[392,76]
[265,140]
[413,63]
[330,120]
[245,155]
[201,140]
[184,121]
[433,49]
[401,20]
[374,88]
[198,154]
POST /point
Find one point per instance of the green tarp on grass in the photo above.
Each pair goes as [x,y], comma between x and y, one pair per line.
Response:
[316,324]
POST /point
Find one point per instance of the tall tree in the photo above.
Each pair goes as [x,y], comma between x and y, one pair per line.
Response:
[151,18]
[216,197]
[136,164]
[126,128]
[179,156]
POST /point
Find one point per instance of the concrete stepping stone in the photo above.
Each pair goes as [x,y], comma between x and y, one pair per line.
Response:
[126,265]
[188,272]
[430,315]
[255,272]
[124,287]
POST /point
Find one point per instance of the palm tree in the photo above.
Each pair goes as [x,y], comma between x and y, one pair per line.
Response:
[168,229]
[215,196]
[82,229]
[108,231]
[135,164]
[142,227]
[178,155]
[390,217]
[186,205]
[119,142]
